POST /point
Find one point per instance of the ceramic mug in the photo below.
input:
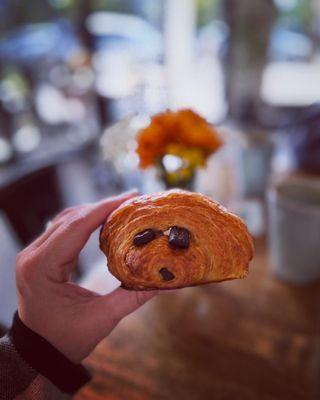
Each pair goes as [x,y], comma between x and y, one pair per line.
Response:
[294,229]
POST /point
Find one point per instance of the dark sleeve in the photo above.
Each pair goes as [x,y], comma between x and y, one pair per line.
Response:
[15,374]
[30,364]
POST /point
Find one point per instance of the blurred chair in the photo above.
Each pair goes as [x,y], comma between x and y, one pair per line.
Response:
[27,202]
[29,197]
[30,200]
[8,250]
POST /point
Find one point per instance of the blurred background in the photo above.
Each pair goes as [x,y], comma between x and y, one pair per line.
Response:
[78,79]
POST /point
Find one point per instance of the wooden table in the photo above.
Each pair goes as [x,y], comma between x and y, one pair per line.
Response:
[254,339]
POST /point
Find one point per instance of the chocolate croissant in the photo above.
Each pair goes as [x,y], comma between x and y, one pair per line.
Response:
[175,239]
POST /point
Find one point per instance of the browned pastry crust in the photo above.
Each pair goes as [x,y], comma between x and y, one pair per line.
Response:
[220,246]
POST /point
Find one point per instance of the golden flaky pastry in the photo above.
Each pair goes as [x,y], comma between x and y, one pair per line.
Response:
[174,239]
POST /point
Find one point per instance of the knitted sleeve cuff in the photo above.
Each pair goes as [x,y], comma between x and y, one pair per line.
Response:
[46,359]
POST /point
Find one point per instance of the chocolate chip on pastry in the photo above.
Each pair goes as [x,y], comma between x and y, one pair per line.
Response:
[175,239]
[166,274]
[144,237]
[179,238]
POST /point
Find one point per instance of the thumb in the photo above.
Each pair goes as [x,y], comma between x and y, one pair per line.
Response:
[121,302]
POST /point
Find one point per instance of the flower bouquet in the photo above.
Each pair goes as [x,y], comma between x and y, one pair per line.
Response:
[177,144]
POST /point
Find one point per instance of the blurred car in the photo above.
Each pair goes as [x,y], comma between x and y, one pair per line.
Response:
[289,45]
[127,34]
[111,32]
[33,42]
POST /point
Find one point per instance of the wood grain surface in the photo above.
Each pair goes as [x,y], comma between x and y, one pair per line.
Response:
[255,338]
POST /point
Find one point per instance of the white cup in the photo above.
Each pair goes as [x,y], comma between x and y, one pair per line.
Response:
[294,229]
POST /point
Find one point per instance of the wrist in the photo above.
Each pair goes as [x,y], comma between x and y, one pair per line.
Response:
[46,359]
[55,331]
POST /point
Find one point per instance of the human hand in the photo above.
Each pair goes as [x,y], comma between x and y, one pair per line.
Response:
[73,319]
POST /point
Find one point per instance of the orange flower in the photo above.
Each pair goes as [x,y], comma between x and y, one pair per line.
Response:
[183,127]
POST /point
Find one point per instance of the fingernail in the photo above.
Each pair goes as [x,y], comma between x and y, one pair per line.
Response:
[128,193]
[119,196]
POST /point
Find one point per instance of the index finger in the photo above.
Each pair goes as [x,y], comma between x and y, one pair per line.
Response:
[69,238]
